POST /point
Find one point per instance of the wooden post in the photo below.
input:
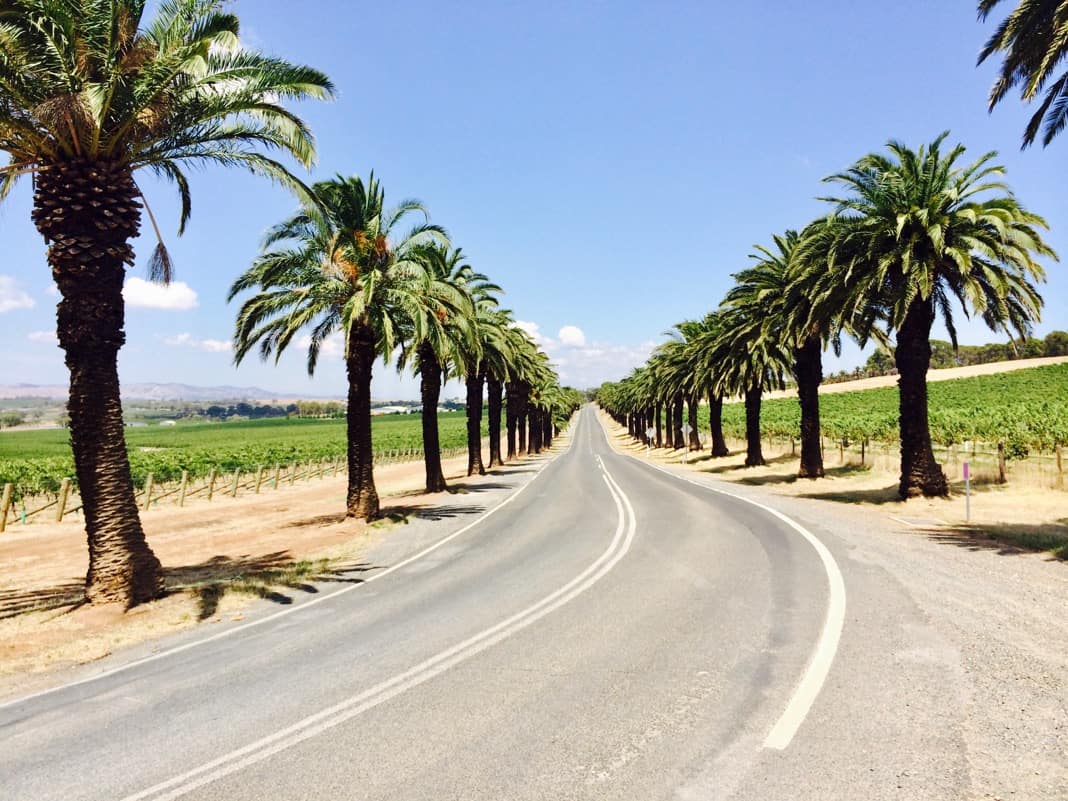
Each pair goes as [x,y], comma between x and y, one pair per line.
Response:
[322,468]
[793,447]
[841,451]
[277,475]
[148,491]
[5,504]
[822,449]
[863,450]
[61,504]
[307,471]
[1060,467]
[233,487]
[1001,463]
[211,483]
[184,487]
[292,473]
[259,478]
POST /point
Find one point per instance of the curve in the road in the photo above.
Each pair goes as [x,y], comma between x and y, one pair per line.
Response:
[819,666]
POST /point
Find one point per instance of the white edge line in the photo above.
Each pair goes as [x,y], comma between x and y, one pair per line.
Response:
[782,733]
[343,711]
[290,610]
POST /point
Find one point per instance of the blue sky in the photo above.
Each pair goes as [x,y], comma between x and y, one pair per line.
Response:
[609,164]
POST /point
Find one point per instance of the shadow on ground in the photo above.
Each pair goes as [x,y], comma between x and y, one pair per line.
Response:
[404,514]
[1007,539]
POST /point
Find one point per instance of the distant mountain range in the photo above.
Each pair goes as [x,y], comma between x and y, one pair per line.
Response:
[155,392]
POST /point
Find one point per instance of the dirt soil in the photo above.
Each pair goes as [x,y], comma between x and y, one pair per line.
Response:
[217,556]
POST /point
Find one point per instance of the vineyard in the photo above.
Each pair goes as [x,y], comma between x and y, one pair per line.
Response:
[36,462]
[1026,410]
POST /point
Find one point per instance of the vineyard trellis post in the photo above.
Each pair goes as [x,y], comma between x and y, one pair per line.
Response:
[233,487]
[61,506]
[5,505]
[148,491]
[277,473]
[1001,463]
[185,486]
[259,478]
[211,483]
[292,473]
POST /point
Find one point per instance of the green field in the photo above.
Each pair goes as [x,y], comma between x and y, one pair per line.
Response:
[37,461]
[1025,409]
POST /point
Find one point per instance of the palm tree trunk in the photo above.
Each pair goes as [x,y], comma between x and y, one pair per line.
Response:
[361,496]
[430,390]
[87,252]
[512,413]
[476,379]
[715,425]
[494,402]
[523,409]
[695,436]
[659,428]
[678,442]
[808,372]
[920,473]
[753,454]
[535,431]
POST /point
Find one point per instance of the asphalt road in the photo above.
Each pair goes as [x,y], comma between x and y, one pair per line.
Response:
[609,632]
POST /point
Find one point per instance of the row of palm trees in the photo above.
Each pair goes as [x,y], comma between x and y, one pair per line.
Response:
[341,265]
[91,92]
[912,234]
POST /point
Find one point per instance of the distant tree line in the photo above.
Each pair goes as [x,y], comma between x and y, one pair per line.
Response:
[944,355]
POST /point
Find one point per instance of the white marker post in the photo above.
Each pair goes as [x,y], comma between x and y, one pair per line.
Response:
[649,438]
[967,484]
[686,436]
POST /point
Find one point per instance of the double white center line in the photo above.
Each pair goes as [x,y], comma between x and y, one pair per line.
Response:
[368,699]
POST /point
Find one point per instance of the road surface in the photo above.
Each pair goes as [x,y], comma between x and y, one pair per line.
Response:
[586,627]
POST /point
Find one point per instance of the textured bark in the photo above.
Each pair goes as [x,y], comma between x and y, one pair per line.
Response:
[920,473]
[494,413]
[523,409]
[475,380]
[715,425]
[808,372]
[547,431]
[87,213]
[677,440]
[361,496]
[754,456]
[430,391]
[695,436]
[535,431]
[512,413]
[659,428]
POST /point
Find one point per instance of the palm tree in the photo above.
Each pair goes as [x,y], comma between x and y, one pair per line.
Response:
[709,330]
[334,266]
[1034,45]
[915,232]
[746,359]
[438,346]
[483,347]
[87,98]
[492,370]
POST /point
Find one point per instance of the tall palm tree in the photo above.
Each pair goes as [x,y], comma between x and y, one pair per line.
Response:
[483,347]
[1033,43]
[340,265]
[747,359]
[709,330]
[438,347]
[87,98]
[491,371]
[916,231]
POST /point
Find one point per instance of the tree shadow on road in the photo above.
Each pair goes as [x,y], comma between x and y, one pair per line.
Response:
[405,514]
[265,576]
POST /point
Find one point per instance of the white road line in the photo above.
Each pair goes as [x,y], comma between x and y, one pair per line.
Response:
[782,733]
[289,610]
[439,663]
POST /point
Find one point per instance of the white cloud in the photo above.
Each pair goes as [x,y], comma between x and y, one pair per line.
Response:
[52,290]
[11,297]
[571,336]
[175,296]
[532,330]
[333,346]
[208,345]
[47,337]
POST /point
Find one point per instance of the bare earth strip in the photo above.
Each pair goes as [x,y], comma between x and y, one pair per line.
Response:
[218,557]
[946,374]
